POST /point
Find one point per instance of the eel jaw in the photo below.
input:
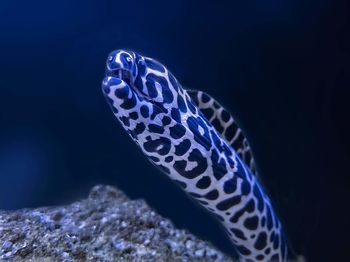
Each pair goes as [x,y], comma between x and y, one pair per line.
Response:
[122,74]
[126,76]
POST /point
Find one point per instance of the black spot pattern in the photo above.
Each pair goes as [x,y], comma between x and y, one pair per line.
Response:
[245,187]
[219,168]
[183,147]
[217,125]
[151,80]
[156,111]
[166,120]
[212,195]
[133,115]
[156,129]
[247,157]
[216,105]
[162,142]
[204,182]
[175,114]
[151,89]
[225,116]
[203,139]
[238,141]
[141,66]
[205,98]
[129,103]
[251,222]
[181,104]
[177,131]
[208,112]
[260,257]
[230,132]
[238,233]
[241,170]
[249,207]
[230,185]
[194,156]
[138,80]
[168,159]
[121,92]
[228,203]
[260,242]
[144,111]
[140,127]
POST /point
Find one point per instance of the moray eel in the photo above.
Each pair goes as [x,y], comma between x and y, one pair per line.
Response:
[192,139]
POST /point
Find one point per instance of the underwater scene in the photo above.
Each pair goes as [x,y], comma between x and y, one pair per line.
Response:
[174,131]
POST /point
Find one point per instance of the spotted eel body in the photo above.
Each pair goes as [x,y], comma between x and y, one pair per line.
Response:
[196,142]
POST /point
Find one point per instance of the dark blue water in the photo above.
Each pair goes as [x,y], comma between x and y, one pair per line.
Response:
[282,68]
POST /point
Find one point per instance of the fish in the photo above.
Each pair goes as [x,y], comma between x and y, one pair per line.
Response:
[197,143]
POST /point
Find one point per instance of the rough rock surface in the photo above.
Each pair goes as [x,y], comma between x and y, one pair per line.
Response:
[105,227]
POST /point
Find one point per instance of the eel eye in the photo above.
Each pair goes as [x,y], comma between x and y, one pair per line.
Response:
[128,58]
[110,58]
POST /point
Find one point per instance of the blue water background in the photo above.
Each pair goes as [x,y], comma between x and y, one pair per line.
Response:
[282,68]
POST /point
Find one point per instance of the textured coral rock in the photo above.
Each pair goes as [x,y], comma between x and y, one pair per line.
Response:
[107,226]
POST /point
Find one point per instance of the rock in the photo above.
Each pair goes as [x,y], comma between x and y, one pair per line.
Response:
[105,227]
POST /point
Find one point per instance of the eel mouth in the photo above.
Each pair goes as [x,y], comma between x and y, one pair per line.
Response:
[122,74]
[125,75]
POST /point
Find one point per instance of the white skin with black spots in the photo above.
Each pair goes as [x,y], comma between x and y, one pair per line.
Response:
[168,126]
